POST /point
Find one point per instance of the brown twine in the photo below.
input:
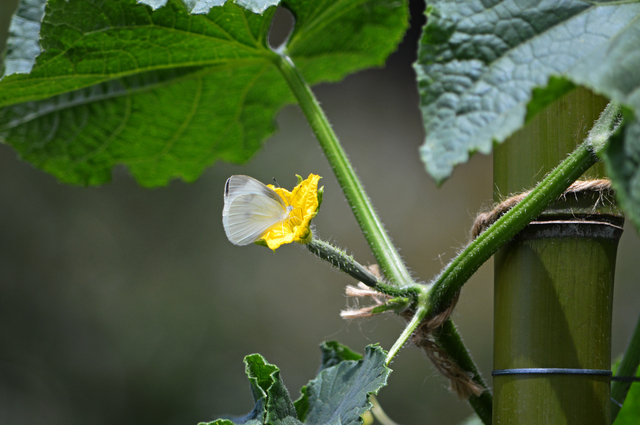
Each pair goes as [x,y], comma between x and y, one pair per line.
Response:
[486,219]
[460,381]
[362,291]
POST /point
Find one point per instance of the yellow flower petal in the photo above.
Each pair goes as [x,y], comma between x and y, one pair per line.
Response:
[304,202]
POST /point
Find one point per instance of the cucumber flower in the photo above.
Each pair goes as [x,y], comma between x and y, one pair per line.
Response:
[268,215]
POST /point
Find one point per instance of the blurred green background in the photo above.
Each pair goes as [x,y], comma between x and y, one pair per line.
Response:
[125,305]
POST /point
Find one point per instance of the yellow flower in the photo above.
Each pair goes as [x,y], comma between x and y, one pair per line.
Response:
[304,202]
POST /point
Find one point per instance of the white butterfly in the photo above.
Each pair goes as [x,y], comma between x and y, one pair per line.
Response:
[251,209]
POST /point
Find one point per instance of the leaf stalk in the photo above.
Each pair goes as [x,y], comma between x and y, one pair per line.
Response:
[408,331]
[385,253]
[450,341]
[346,263]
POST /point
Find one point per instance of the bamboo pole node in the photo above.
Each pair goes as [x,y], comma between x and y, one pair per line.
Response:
[485,219]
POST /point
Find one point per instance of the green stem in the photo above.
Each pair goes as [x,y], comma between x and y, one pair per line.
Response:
[349,265]
[450,281]
[380,243]
[378,413]
[411,327]
[628,367]
[384,251]
[449,340]
[397,304]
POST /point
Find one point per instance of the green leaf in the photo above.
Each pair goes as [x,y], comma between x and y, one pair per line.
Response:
[479,62]
[272,402]
[333,353]
[164,92]
[333,38]
[340,394]
[622,159]
[630,412]
[23,47]
[204,6]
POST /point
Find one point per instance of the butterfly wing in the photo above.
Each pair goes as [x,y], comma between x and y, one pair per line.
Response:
[250,209]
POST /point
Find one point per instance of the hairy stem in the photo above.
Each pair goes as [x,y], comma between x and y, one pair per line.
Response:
[384,251]
[408,331]
[449,340]
[448,284]
[346,263]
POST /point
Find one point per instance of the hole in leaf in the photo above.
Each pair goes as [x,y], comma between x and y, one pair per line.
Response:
[281,27]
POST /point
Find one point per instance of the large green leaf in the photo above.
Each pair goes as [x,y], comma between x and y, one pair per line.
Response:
[480,61]
[340,394]
[622,159]
[204,6]
[23,47]
[332,354]
[165,92]
[272,402]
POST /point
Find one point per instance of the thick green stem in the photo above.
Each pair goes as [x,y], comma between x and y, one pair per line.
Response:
[628,367]
[384,251]
[450,281]
[449,340]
